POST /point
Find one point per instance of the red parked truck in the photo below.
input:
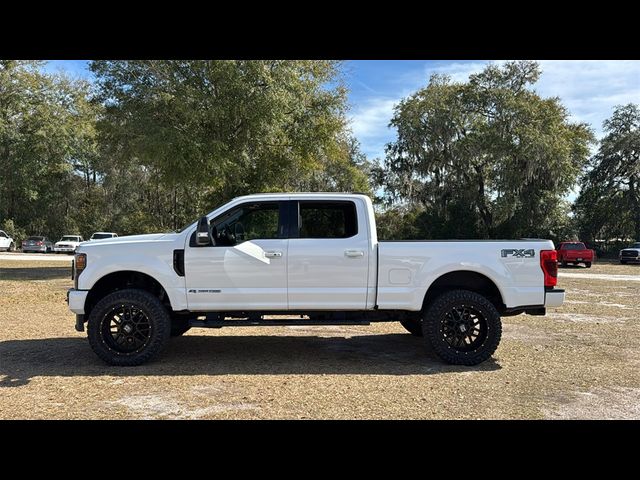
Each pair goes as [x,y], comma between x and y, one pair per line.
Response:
[575,253]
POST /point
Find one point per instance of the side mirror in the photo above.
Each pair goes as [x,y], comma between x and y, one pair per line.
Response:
[202,234]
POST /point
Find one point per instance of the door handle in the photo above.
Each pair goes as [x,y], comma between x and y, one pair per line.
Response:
[273,254]
[354,253]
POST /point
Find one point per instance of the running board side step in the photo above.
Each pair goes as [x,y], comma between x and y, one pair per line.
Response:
[272,323]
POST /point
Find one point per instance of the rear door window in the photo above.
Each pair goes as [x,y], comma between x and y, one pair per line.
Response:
[327,219]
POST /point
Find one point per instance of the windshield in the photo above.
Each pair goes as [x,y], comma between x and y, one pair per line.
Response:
[635,245]
[98,236]
[574,246]
[70,238]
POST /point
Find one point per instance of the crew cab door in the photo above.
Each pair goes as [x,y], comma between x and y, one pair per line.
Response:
[246,269]
[328,255]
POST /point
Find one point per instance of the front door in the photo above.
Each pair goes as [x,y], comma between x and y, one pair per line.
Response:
[246,269]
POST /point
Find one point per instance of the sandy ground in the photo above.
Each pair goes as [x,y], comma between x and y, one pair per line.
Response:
[580,361]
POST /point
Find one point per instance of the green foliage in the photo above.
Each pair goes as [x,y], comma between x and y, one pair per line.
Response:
[609,203]
[487,158]
[47,129]
[202,132]
[154,144]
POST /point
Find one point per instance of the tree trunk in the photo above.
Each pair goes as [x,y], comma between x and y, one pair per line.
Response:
[635,205]
[485,212]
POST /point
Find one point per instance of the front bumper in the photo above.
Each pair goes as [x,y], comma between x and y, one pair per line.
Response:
[554,298]
[64,249]
[629,259]
[76,300]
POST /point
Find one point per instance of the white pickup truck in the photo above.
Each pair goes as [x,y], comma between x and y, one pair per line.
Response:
[314,257]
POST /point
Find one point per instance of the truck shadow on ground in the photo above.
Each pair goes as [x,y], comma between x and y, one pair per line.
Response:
[48,273]
[384,354]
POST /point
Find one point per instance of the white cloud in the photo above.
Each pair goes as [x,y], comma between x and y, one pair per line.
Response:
[369,123]
[458,71]
[590,89]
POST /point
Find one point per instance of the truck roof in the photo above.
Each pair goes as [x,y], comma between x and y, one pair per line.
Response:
[301,195]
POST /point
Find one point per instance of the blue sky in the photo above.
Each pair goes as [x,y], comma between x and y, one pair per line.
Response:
[588,88]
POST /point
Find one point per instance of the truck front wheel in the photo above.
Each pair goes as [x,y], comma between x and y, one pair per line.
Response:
[128,327]
[462,327]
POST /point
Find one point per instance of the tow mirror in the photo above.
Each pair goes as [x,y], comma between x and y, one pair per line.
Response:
[202,234]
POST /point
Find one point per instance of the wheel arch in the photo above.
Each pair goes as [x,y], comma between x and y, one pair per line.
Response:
[121,280]
[465,280]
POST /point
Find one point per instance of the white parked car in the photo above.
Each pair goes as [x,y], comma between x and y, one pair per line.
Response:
[68,244]
[315,257]
[6,242]
[103,235]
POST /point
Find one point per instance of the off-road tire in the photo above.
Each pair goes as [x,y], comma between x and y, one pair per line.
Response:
[413,326]
[433,325]
[157,316]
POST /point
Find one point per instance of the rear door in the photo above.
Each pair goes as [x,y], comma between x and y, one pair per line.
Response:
[247,273]
[328,255]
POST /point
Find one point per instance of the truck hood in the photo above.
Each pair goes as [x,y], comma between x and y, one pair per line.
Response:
[130,239]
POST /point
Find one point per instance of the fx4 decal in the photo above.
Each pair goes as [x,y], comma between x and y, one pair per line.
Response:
[519,252]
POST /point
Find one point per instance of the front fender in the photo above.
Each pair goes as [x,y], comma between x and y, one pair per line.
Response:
[158,266]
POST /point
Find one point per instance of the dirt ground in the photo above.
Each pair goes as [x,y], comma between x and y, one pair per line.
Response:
[580,361]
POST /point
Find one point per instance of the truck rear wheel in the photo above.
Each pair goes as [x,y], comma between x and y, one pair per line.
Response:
[564,264]
[587,264]
[413,326]
[462,327]
[128,327]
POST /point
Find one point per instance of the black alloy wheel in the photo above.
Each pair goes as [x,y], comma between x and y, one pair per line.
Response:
[126,329]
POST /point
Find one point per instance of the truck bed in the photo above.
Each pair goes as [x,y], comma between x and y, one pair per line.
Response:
[512,265]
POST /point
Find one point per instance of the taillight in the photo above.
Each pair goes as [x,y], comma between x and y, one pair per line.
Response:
[39,243]
[549,264]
